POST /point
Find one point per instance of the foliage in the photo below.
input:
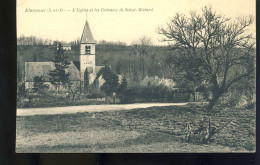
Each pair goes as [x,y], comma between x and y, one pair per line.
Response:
[127,60]
[97,95]
[21,90]
[122,87]
[39,84]
[212,48]
[74,88]
[153,94]
[187,76]
[94,90]
[86,81]
[58,76]
[111,80]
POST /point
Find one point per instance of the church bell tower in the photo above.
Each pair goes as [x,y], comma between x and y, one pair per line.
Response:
[87,51]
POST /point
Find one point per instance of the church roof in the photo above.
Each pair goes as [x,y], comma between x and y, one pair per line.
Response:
[33,69]
[87,35]
[77,64]
[97,68]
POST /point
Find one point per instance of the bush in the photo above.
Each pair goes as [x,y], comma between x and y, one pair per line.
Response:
[153,94]
[236,99]
[96,95]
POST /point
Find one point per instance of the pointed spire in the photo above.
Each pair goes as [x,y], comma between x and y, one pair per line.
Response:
[87,35]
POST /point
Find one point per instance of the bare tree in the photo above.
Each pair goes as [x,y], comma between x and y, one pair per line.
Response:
[222,47]
[142,46]
[32,40]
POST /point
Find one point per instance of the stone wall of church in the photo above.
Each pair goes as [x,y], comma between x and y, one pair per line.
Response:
[92,48]
[85,62]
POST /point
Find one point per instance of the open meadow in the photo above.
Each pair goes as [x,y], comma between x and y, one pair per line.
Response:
[153,129]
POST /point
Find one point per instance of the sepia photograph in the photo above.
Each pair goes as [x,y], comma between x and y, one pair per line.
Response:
[169,76]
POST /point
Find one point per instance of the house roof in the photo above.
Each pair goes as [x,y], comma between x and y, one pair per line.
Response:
[33,69]
[64,44]
[77,64]
[157,81]
[87,35]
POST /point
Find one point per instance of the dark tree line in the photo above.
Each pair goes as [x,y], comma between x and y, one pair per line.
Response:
[136,61]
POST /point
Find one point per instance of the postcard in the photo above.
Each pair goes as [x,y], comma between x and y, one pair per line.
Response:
[169,76]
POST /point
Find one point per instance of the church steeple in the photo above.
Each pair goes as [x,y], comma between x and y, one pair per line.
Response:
[87,51]
[87,35]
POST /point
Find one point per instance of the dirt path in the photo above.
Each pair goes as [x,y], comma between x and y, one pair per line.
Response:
[88,108]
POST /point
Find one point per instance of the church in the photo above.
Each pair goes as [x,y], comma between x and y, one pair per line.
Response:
[75,70]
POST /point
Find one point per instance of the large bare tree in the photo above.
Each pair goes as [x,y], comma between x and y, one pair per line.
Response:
[220,50]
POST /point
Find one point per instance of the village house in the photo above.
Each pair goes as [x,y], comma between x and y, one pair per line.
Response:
[66,46]
[155,81]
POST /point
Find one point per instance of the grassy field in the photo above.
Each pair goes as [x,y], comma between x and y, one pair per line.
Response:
[155,129]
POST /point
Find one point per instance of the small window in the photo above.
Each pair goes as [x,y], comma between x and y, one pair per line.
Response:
[87,50]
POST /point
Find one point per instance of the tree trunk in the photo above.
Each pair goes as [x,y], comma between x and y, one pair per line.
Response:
[213,101]
[129,66]
[194,96]
[57,89]
[143,68]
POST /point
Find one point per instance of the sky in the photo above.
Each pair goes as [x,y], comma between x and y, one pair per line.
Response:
[57,21]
